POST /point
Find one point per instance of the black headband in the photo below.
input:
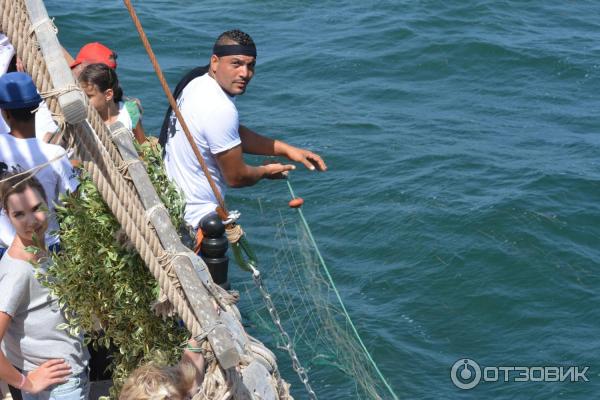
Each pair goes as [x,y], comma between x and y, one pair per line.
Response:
[221,50]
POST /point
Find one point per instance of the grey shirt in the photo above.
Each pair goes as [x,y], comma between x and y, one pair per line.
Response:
[32,337]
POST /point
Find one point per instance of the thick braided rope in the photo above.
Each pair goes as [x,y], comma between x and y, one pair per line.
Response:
[220,383]
[131,228]
[126,189]
[16,26]
[144,237]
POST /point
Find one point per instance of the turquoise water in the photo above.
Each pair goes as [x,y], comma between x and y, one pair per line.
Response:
[461,212]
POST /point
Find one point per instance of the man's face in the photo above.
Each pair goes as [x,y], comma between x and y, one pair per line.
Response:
[233,73]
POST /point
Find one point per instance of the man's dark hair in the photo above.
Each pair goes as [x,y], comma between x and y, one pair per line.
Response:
[22,114]
[236,36]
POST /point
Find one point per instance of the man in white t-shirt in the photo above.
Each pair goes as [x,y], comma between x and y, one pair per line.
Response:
[45,126]
[23,151]
[207,103]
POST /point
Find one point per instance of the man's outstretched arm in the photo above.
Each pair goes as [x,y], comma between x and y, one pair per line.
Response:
[254,143]
[239,174]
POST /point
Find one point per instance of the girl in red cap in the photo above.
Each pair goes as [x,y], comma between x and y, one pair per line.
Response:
[92,53]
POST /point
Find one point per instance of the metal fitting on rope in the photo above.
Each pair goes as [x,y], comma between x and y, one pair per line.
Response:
[232,217]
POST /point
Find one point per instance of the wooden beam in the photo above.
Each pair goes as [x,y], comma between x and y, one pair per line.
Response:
[191,270]
[71,102]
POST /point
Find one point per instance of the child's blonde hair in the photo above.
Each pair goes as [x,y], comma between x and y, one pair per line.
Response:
[151,382]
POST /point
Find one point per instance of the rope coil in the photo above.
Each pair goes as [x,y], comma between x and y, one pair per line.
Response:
[234,233]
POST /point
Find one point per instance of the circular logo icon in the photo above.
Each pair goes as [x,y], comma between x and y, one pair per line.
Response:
[465,374]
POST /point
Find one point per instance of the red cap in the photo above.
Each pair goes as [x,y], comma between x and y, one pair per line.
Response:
[96,52]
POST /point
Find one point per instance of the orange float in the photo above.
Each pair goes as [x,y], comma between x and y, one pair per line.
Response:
[296,202]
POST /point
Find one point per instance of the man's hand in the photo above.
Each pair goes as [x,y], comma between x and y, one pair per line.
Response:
[275,170]
[49,373]
[310,160]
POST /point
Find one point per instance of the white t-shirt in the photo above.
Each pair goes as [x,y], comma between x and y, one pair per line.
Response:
[212,118]
[124,117]
[56,178]
[43,123]
[7,52]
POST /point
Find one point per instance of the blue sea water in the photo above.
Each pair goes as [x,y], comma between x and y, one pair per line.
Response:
[460,214]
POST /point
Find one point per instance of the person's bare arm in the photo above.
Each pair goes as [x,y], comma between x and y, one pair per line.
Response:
[194,356]
[8,373]
[254,143]
[138,133]
[68,56]
[239,174]
[49,373]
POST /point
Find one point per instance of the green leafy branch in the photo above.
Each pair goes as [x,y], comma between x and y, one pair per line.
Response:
[102,283]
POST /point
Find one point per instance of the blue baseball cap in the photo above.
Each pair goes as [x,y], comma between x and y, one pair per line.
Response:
[17,90]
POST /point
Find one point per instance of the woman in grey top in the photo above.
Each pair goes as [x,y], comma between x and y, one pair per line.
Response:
[53,362]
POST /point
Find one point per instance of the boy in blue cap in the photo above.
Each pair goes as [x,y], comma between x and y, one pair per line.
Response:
[21,150]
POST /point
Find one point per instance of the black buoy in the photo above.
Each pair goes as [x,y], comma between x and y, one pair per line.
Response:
[213,249]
